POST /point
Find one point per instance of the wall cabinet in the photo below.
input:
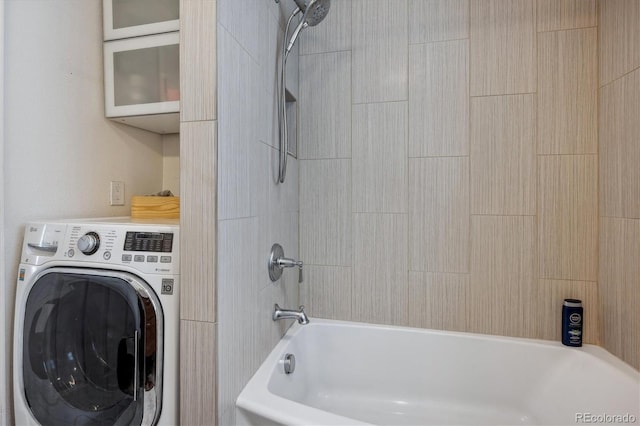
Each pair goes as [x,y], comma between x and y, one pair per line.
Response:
[142,68]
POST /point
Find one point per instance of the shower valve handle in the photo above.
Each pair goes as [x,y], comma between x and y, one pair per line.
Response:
[285,262]
[277,263]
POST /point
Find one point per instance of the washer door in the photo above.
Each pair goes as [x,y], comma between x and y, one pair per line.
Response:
[91,348]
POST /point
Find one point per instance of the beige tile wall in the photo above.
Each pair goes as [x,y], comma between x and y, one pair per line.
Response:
[468,199]
[325,212]
[439,99]
[566,14]
[198,344]
[567,92]
[503,155]
[439,214]
[380,262]
[233,210]
[198,204]
[428,291]
[568,217]
[503,270]
[619,266]
[620,287]
[503,47]
[620,150]
[374,125]
[254,211]
[437,20]
[508,230]
[379,28]
[327,129]
[619,38]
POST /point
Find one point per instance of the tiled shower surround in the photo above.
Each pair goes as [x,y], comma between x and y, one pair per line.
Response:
[462,165]
[449,165]
[236,211]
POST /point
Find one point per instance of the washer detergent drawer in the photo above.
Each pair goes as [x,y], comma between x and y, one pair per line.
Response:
[90,349]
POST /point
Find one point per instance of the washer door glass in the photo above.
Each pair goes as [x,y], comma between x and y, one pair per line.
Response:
[84,357]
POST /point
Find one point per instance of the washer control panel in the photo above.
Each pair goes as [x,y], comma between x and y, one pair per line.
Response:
[146,247]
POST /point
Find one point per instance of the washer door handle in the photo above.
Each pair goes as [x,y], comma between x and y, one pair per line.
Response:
[135,365]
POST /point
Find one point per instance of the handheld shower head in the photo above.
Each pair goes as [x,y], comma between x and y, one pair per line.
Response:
[313,13]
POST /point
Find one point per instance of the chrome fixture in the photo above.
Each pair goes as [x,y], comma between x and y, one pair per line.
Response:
[289,363]
[300,316]
[313,12]
[277,263]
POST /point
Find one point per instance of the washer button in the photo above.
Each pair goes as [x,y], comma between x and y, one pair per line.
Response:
[165,259]
[126,258]
[71,252]
[153,259]
[106,255]
[138,258]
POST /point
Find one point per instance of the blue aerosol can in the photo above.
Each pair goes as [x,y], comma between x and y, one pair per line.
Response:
[572,322]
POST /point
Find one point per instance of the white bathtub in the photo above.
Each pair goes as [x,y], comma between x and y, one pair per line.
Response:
[350,373]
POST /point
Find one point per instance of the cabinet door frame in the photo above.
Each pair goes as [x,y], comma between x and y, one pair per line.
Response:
[111,33]
[113,47]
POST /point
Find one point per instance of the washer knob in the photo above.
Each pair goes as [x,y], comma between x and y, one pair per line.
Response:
[89,243]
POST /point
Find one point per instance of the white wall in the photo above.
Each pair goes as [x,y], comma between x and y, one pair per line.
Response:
[171,163]
[60,153]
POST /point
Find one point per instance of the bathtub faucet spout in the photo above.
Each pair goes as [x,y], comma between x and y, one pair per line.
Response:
[300,316]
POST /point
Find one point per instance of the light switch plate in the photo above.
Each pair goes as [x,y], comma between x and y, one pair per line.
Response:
[117,193]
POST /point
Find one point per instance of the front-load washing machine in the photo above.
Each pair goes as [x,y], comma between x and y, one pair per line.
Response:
[96,326]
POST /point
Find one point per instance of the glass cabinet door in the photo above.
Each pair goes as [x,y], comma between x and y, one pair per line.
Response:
[132,18]
[142,75]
